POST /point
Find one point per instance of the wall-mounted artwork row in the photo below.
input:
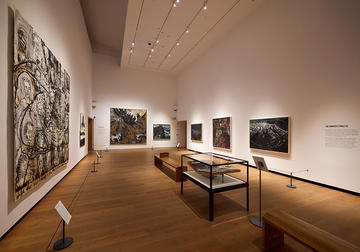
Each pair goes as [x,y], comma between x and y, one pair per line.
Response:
[196,132]
[41,109]
[161,131]
[82,130]
[271,134]
[222,133]
[127,126]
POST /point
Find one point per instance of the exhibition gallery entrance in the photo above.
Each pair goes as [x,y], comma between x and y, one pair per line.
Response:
[131,205]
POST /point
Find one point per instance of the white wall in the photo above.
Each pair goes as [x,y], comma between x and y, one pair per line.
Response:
[61,26]
[134,89]
[289,58]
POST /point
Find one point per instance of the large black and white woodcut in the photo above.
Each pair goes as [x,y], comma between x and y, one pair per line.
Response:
[41,89]
[271,134]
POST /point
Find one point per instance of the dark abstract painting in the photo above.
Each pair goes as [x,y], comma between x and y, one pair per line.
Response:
[127,126]
[82,130]
[196,132]
[41,89]
[270,134]
[222,133]
[161,131]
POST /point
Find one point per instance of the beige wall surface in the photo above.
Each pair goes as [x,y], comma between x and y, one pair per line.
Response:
[61,26]
[289,58]
[116,87]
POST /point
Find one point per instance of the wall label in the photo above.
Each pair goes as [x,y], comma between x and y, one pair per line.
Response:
[341,136]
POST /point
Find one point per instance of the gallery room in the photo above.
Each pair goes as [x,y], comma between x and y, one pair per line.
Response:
[180,125]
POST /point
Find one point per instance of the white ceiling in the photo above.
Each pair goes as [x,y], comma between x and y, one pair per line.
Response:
[146,17]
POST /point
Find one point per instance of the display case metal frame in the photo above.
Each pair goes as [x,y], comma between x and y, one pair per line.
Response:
[210,189]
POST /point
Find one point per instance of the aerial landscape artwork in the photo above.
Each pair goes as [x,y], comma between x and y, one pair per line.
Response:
[222,133]
[270,134]
[41,89]
[196,132]
[161,131]
[82,130]
[127,126]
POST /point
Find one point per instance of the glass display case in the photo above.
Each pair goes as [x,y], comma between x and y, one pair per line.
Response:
[215,173]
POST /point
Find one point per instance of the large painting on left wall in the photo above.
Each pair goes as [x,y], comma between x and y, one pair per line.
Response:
[127,126]
[41,89]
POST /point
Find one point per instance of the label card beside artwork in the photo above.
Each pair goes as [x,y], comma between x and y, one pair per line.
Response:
[63,212]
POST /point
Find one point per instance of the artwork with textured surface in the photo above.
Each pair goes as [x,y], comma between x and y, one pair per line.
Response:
[127,126]
[196,132]
[161,131]
[271,134]
[82,130]
[41,89]
[222,133]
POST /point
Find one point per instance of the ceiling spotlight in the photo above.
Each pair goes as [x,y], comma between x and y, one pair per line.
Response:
[131,51]
[152,49]
[187,30]
[150,56]
[174,4]
[132,44]
[177,43]
[177,1]
[157,41]
[169,55]
[205,5]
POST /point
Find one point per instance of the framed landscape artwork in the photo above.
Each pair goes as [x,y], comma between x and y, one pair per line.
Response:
[161,131]
[41,89]
[82,130]
[222,133]
[127,126]
[270,134]
[196,132]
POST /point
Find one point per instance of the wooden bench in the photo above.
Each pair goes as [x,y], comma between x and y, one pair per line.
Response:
[169,166]
[276,223]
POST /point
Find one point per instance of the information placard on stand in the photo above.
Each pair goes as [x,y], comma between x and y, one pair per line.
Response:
[261,165]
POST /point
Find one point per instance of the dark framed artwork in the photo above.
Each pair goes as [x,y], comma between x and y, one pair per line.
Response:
[161,131]
[196,132]
[82,130]
[222,133]
[41,89]
[270,134]
[127,126]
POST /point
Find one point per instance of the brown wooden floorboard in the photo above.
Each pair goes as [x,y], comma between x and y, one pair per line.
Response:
[130,205]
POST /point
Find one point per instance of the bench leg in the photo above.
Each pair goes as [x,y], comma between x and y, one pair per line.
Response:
[272,237]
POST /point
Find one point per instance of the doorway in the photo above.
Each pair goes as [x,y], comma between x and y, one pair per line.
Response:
[181,134]
[90,134]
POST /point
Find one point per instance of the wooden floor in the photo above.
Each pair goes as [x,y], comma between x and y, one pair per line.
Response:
[130,205]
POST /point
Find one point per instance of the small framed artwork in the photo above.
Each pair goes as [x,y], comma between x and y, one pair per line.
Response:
[222,133]
[196,132]
[161,131]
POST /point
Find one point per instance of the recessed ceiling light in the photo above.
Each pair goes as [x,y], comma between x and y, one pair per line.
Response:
[133,44]
[131,50]
[157,41]
[152,49]
[178,1]
[177,43]
[169,55]
[187,30]
[174,4]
